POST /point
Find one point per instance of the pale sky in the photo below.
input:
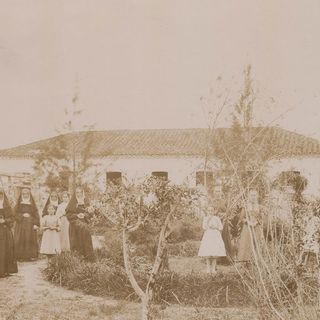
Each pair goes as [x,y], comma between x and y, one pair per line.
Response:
[146,63]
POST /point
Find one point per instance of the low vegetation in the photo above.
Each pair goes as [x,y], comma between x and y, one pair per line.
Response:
[105,277]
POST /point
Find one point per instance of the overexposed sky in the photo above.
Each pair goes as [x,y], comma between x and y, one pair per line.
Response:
[146,63]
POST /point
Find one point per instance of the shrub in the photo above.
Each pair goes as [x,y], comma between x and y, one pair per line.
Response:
[188,248]
[280,286]
[104,277]
[202,290]
[113,247]
[188,229]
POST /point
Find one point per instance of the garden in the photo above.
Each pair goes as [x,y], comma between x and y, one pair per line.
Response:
[149,256]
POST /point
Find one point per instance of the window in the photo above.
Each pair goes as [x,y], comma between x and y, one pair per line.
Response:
[114,177]
[288,178]
[200,178]
[160,174]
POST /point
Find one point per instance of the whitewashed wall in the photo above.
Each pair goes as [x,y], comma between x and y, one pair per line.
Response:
[180,169]
[12,166]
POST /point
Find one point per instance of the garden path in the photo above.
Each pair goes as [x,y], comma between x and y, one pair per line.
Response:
[28,296]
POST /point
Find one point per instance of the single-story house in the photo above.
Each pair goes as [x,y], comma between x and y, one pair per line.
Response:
[177,154]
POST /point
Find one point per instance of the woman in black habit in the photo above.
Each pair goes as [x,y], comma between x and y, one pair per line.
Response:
[78,213]
[8,263]
[27,223]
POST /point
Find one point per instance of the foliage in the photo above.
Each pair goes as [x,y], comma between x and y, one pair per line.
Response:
[146,203]
[147,208]
[291,179]
[61,159]
[187,229]
[278,284]
[243,151]
[104,277]
[187,248]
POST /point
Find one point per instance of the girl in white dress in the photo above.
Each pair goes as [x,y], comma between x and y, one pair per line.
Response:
[64,222]
[212,245]
[50,244]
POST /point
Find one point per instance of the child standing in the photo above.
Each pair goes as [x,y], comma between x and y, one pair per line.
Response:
[212,245]
[50,244]
[61,214]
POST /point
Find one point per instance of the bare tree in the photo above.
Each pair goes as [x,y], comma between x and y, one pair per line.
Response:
[67,156]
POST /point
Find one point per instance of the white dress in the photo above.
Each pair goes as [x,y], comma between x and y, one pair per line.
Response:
[212,244]
[64,227]
[50,243]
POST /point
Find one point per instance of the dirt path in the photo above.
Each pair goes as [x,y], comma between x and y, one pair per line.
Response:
[27,296]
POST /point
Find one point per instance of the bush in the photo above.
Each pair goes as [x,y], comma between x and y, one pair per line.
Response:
[280,286]
[188,229]
[202,290]
[113,246]
[188,248]
[104,277]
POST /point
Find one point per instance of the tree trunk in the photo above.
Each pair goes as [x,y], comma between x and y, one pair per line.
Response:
[146,310]
[128,268]
[145,297]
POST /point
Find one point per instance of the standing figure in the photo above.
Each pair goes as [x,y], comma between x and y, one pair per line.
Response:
[50,244]
[8,263]
[226,236]
[249,235]
[53,199]
[64,222]
[27,224]
[78,213]
[212,245]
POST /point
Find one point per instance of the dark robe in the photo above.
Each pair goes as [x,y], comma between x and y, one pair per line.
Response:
[25,237]
[8,263]
[79,232]
[227,238]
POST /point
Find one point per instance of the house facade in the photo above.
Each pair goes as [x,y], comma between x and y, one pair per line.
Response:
[176,154]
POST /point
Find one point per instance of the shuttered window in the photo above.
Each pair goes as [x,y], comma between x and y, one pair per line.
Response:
[200,180]
[114,177]
[160,174]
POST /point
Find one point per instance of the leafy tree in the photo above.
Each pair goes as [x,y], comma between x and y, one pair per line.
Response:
[151,205]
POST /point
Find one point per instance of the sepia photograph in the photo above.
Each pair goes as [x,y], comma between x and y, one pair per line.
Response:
[160,160]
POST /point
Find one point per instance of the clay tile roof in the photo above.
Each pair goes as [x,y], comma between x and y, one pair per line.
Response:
[166,142]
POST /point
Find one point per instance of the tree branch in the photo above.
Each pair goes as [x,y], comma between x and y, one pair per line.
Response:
[161,246]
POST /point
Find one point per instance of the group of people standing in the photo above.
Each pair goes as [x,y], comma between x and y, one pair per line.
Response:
[216,240]
[64,226]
